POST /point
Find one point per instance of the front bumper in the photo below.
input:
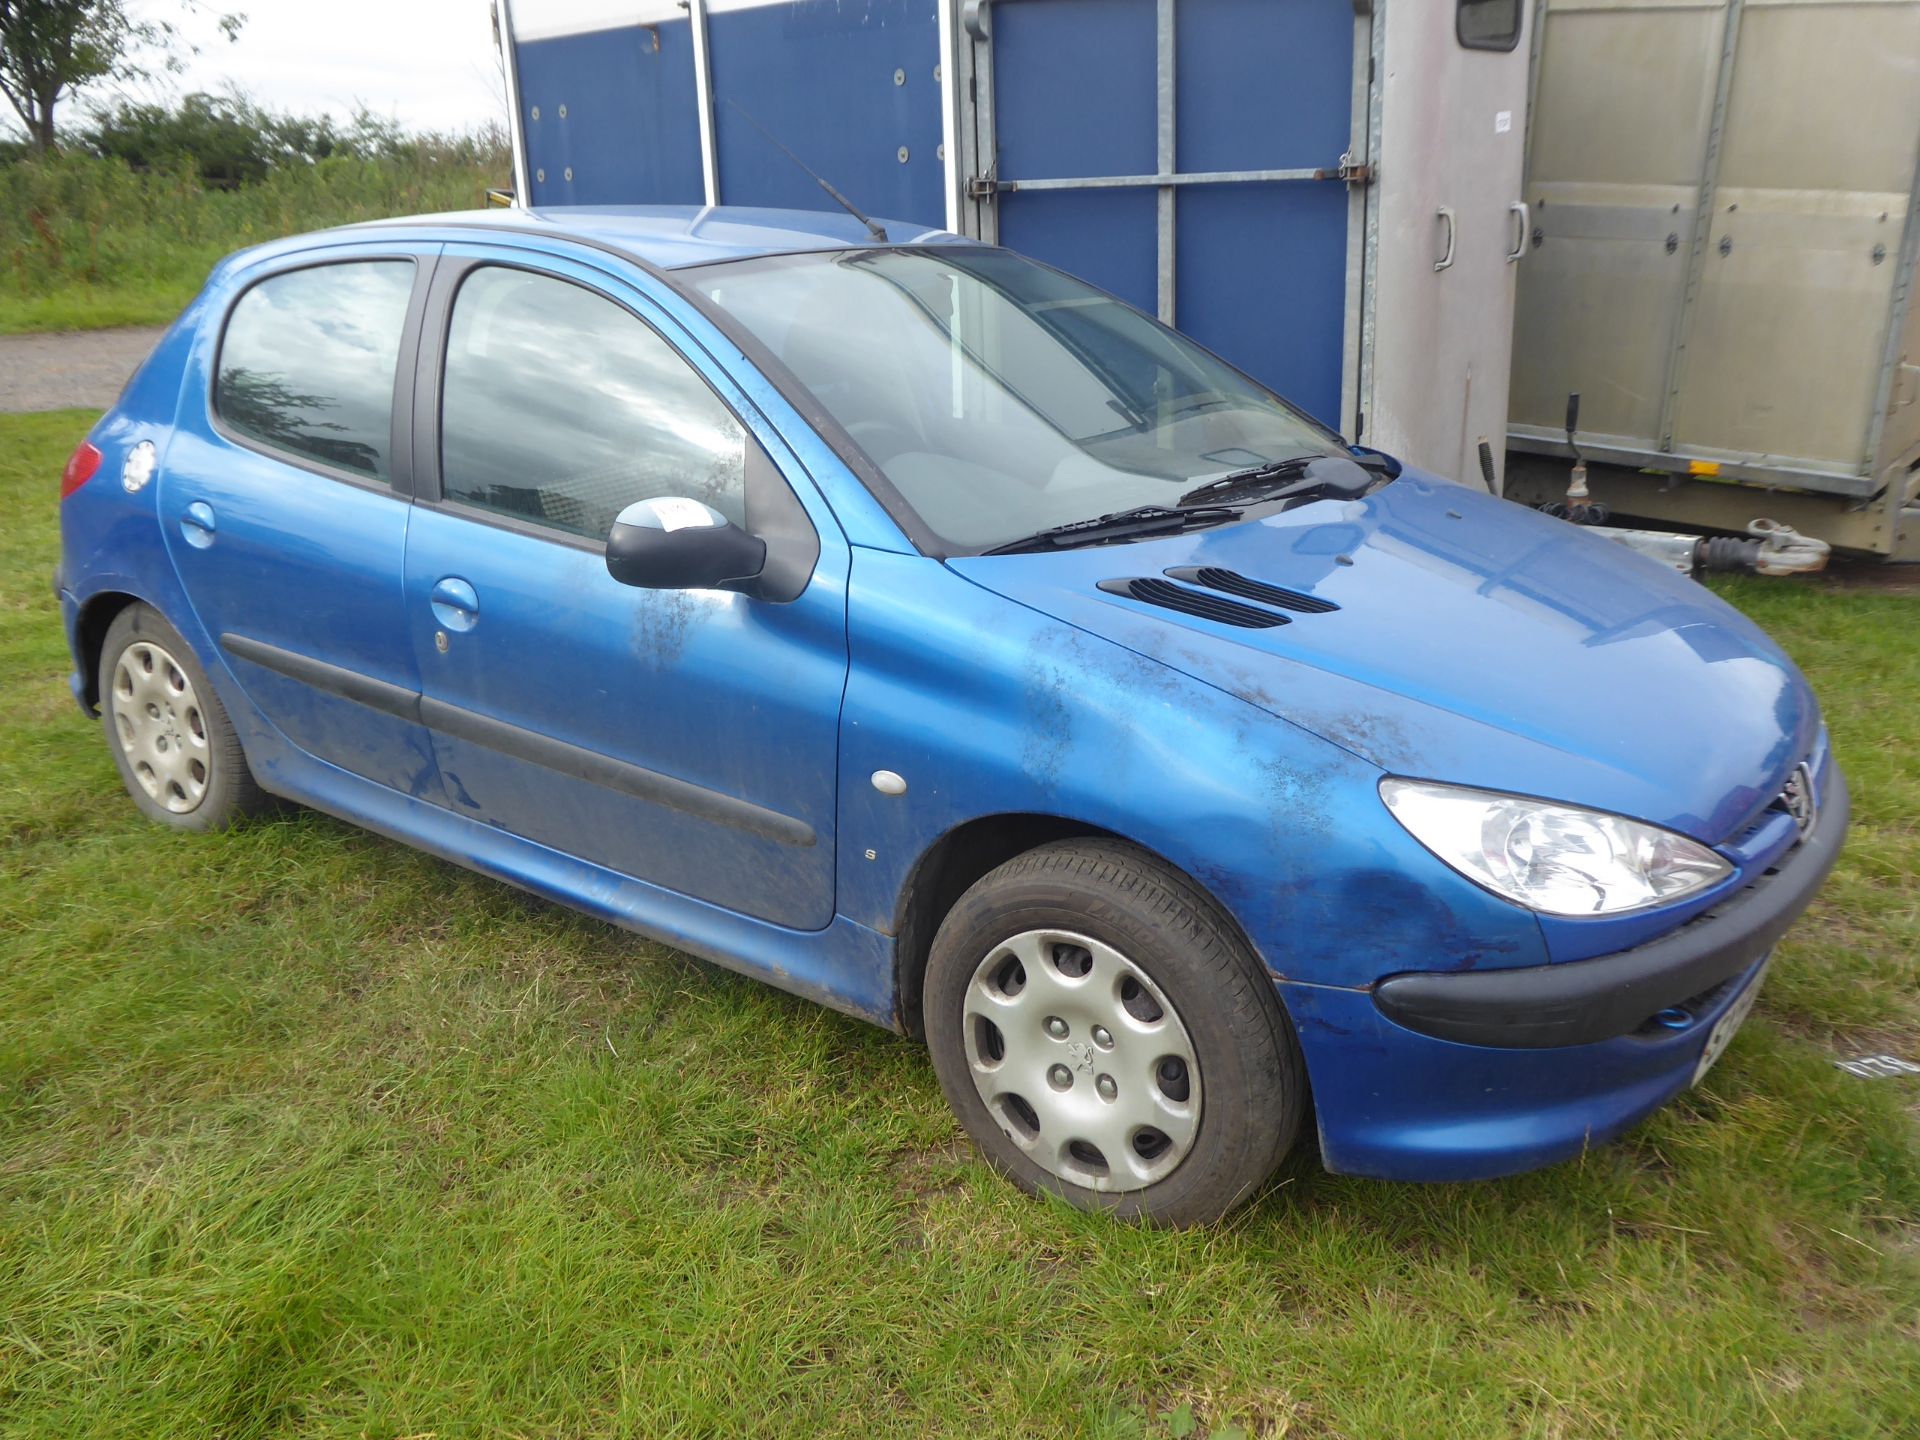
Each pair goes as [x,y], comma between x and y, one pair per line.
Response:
[1471,1074]
[1579,1002]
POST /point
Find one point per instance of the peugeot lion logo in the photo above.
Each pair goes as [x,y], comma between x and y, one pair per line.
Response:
[1798,798]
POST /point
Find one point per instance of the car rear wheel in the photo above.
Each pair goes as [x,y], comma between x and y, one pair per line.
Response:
[1104,1035]
[175,749]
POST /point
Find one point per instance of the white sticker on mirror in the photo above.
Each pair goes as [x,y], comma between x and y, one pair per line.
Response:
[676,513]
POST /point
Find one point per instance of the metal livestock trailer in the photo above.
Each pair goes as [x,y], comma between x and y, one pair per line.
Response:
[1327,192]
[1726,227]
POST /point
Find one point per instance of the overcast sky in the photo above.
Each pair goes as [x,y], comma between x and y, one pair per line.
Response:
[430,63]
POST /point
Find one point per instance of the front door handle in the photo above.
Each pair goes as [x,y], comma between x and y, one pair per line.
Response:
[197,524]
[454,603]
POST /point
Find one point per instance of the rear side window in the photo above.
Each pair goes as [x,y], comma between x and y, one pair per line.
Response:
[306,365]
[561,408]
[1488,24]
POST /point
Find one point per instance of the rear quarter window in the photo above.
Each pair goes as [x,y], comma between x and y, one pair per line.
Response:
[307,364]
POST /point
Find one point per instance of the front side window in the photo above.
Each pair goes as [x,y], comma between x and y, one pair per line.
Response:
[562,408]
[1488,24]
[306,366]
[1000,397]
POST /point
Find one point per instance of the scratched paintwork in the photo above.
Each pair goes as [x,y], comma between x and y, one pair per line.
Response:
[1474,642]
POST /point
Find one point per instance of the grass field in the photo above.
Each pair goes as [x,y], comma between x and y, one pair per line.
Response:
[87,242]
[303,1133]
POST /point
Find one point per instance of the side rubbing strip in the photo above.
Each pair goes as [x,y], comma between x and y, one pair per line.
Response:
[598,769]
[334,679]
[523,744]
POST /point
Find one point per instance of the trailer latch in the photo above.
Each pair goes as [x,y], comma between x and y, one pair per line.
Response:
[981,187]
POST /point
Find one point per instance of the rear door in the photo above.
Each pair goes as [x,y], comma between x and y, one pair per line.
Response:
[284,501]
[684,737]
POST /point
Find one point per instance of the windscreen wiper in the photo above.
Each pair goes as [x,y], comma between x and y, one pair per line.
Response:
[1142,520]
[1344,477]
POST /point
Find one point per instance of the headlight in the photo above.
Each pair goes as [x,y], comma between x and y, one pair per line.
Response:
[1558,859]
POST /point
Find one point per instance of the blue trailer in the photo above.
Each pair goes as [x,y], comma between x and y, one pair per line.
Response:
[1326,192]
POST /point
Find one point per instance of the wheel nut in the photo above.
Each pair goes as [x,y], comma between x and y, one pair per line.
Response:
[1060,1077]
[1106,1087]
[1056,1027]
[1103,1037]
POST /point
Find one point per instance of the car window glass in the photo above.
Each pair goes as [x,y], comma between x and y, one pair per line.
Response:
[1488,24]
[562,408]
[306,365]
[999,397]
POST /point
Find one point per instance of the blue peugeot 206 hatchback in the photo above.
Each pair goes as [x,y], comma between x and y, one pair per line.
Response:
[929,634]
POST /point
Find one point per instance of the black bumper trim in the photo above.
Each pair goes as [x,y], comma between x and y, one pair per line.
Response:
[1578,1002]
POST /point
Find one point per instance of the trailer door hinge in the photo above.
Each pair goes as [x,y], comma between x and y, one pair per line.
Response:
[1348,171]
[981,187]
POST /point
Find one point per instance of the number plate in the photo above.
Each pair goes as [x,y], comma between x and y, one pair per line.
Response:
[1728,1024]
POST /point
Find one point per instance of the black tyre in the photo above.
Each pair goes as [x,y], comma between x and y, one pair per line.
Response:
[175,748]
[1105,1035]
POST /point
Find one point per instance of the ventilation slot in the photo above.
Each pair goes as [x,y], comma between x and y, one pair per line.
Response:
[1233,583]
[1193,602]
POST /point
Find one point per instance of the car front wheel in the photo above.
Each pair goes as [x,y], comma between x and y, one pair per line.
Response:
[171,740]
[1105,1035]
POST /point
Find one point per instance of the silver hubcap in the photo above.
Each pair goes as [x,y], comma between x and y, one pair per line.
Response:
[163,734]
[1082,1060]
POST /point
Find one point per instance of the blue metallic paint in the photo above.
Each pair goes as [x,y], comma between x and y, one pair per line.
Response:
[1475,642]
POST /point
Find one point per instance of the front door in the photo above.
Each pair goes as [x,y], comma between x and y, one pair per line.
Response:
[284,504]
[683,737]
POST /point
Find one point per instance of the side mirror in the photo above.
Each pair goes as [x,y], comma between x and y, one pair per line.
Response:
[680,544]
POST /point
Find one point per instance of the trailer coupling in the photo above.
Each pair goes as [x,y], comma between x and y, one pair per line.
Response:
[1768,548]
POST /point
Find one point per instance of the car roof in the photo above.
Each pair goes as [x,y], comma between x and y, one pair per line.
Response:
[669,237]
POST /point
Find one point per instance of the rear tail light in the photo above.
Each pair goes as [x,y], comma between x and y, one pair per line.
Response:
[80,469]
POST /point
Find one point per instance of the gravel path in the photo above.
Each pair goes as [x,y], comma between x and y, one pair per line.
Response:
[83,369]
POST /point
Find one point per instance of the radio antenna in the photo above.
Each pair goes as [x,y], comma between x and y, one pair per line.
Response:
[845,204]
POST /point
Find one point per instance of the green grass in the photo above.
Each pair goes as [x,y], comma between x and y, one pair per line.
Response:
[87,242]
[303,1133]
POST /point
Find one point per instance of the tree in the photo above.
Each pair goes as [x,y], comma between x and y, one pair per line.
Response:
[50,48]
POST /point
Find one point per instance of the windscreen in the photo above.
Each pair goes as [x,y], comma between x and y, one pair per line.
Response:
[1000,397]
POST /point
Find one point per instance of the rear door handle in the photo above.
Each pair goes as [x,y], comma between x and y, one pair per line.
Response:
[454,603]
[197,524]
[1445,216]
[1519,210]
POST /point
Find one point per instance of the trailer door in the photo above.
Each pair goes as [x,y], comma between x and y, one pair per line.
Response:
[1186,155]
[1451,230]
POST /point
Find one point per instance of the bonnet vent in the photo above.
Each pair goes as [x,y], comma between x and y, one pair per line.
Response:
[1233,583]
[1193,602]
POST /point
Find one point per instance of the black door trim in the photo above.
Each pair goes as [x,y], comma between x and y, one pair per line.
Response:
[523,744]
[381,695]
[604,770]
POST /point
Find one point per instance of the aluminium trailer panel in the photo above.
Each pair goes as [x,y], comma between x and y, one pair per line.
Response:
[1723,261]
